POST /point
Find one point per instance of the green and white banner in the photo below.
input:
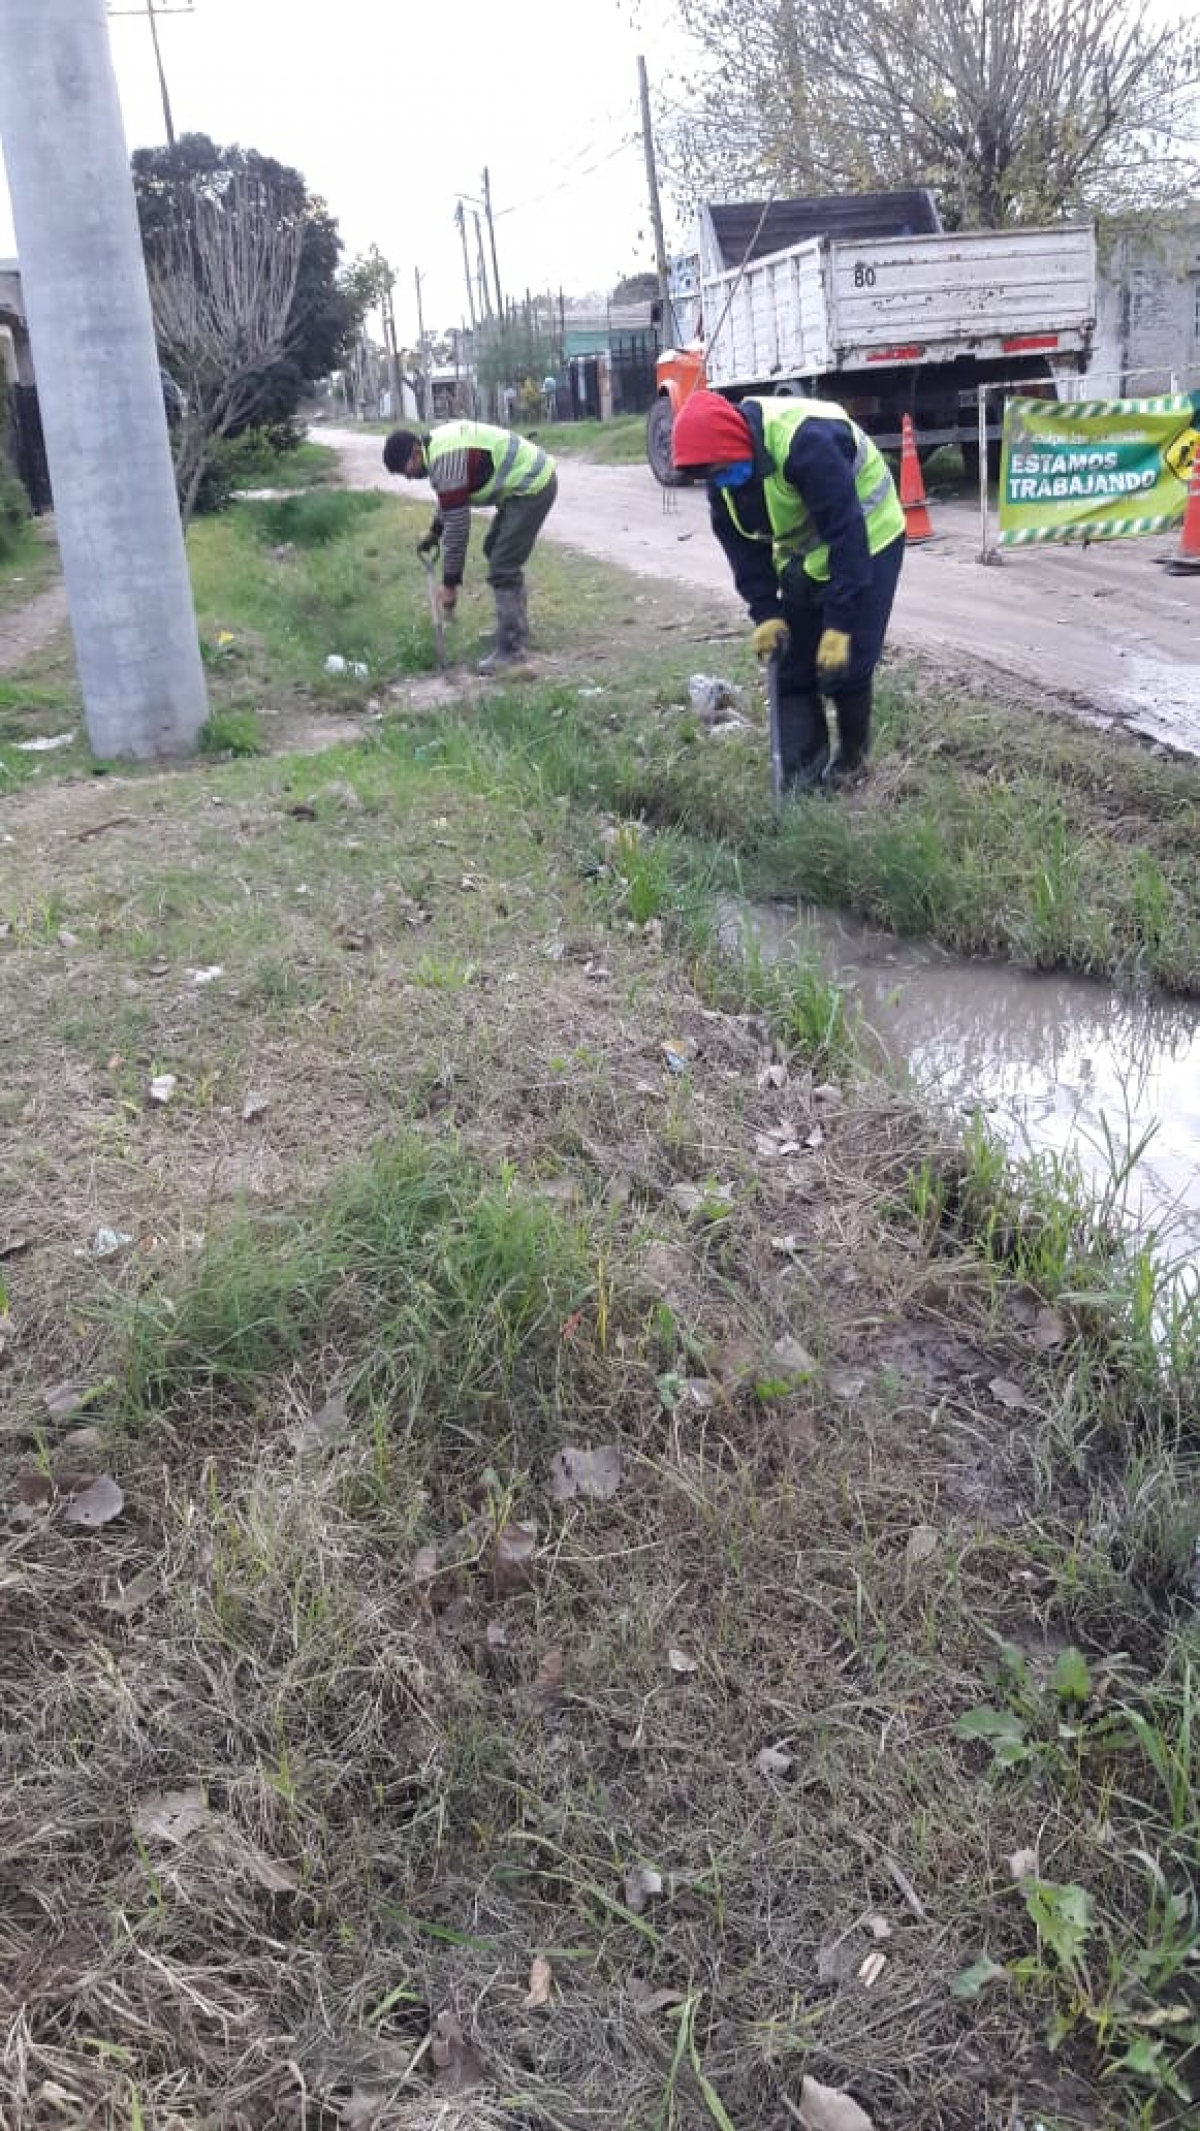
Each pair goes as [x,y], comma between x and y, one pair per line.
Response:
[1095,469]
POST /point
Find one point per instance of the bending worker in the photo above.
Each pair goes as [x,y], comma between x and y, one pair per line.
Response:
[473,463]
[807,512]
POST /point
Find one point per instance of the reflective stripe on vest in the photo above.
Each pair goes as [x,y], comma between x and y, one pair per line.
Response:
[793,531]
[519,468]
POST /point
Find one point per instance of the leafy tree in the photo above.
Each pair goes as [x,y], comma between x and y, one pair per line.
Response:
[636,288]
[1012,110]
[174,185]
[368,282]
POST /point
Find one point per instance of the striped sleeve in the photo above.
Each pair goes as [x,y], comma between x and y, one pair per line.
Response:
[456,534]
[451,480]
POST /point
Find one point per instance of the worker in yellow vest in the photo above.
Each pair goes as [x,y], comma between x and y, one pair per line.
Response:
[474,463]
[804,506]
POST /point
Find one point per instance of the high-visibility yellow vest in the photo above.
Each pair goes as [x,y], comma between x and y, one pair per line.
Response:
[793,531]
[519,468]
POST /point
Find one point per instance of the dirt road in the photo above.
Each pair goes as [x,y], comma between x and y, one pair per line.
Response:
[27,629]
[1106,628]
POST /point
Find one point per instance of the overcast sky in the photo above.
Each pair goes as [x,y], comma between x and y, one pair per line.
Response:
[391,109]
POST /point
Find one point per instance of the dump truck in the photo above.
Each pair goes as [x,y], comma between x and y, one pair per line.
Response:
[870,302]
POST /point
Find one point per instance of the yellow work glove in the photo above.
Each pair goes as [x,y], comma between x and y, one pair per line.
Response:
[770,637]
[833,656]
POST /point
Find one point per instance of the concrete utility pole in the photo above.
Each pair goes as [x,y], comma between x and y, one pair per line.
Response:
[101,395]
[387,313]
[660,248]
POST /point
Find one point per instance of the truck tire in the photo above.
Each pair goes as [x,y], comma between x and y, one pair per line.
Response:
[659,424]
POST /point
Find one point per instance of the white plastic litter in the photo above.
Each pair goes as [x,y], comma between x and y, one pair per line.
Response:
[709,695]
[336,664]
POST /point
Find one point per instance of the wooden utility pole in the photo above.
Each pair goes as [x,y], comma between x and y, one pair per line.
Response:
[151,11]
[487,208]
[660,248]
[460,217]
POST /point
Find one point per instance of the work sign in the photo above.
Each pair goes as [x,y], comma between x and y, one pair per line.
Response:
[1095,469]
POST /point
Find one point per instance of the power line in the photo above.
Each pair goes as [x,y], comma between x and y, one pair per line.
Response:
[631,140]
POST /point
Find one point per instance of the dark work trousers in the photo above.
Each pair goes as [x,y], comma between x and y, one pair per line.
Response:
[803,729]
[513,533]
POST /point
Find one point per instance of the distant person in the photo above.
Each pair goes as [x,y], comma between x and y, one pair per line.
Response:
[550,397]
[475,463]
[804,506]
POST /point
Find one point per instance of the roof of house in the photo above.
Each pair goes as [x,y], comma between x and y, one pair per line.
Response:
[736,225]
[12,302]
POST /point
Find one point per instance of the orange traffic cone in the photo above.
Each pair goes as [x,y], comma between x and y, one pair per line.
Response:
[917,523]
[1188,559]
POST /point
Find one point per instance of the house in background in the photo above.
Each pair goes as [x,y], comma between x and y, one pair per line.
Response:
[16,356]
[24,425]
[609,358]
[1148,315]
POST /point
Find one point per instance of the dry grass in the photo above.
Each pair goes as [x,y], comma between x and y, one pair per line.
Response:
[408,1763]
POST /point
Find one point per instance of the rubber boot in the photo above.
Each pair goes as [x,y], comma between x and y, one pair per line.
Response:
[848,764]
[803,743]
[509,654]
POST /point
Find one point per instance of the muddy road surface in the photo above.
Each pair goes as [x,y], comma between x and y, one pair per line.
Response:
[1106,628]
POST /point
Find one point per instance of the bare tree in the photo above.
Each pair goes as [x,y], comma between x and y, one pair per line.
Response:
[223,286]
[1013,110]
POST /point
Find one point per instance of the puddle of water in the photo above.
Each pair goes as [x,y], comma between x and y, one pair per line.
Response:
[1048,1059]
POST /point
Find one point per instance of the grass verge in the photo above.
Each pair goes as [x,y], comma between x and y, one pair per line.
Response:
[642,1576]
[1077,857]
[1071,849]
[619,442]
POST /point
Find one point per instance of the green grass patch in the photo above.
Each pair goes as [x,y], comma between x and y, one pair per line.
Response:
[621,442]
[995,831]
[232,733]
[282,586]
[425,1276]
[18,548]
[313,521]
[33,711]
[306,465]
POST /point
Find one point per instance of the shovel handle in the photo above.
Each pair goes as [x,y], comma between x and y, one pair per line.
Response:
[435,611]
[773,665]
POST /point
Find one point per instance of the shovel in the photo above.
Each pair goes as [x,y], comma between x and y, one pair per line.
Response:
[435,608]
[773,665]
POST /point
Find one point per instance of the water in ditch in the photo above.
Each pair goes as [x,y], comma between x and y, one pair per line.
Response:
[1055,1063]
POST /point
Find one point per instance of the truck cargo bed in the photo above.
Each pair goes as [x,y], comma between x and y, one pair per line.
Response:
[853,304]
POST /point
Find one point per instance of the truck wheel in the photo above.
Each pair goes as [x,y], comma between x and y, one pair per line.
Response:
[659,424]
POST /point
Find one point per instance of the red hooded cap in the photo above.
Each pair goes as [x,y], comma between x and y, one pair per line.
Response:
[710,432]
